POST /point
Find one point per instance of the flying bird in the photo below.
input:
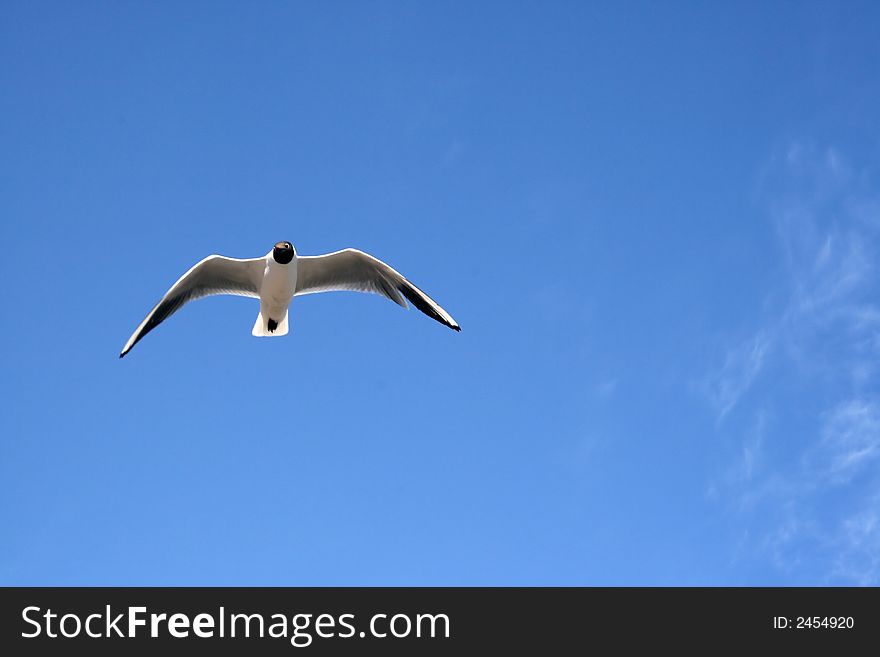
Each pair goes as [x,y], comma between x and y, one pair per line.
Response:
[281,275]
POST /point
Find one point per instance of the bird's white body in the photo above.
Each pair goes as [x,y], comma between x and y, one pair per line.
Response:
[279,276]
[276,293]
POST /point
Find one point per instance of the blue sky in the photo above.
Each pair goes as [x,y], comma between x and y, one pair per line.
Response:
[657,224]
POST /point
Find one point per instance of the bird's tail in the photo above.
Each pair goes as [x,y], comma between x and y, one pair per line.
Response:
[266,327]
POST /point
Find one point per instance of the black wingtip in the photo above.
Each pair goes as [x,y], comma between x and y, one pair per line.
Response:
[419,299]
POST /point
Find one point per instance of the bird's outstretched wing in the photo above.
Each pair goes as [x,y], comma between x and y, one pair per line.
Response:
[213,275]
[357,271]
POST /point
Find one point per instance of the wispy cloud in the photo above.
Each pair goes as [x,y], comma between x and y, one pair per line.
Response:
[850,438]
[742,365]
[823,341]
[858,557]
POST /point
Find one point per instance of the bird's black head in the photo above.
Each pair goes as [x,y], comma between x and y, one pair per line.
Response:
[283,253]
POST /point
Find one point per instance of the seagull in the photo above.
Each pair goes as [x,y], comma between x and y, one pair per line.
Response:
[281,275]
